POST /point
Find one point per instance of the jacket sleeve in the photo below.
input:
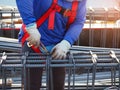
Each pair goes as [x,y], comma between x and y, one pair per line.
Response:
[76,27]
[25,8]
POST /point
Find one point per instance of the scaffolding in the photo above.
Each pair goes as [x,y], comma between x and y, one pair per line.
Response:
[102,27]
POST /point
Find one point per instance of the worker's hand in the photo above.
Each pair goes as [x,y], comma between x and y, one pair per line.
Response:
[34,35]
[60,50]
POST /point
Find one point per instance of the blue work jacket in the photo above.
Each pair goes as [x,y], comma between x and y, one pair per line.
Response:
[31,10]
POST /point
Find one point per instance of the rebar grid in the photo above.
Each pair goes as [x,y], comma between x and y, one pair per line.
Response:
[86,69]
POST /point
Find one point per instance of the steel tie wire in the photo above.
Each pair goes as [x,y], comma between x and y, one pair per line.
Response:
[3,58]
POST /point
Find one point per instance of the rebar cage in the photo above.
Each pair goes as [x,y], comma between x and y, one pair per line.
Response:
[87,68]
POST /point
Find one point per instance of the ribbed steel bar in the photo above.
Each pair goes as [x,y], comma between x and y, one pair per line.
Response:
[13,45]
[88,48]
[8,44]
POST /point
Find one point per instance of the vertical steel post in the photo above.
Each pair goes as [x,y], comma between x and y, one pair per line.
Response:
[24,60]
[94,60]
[73,72]
[1,31]
[90,29]
[50,73]
[12,26]
[88,79]
[69,74]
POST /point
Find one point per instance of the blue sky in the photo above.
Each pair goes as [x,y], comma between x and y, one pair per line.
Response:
[8,2]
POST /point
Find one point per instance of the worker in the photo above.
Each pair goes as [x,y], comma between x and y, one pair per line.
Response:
[56,24]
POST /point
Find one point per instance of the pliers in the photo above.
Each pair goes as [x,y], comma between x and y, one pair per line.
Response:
[42,46]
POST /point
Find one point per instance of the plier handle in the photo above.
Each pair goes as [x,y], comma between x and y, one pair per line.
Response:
[42,46]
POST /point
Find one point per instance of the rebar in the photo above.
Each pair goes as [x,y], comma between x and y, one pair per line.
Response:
[95,63]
